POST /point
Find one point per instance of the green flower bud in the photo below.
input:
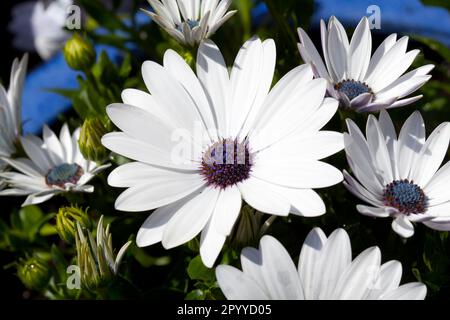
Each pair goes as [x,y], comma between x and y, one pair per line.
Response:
[34,273]
[90,143]
[66,222]
[247,230]
[95,257]
[79,53]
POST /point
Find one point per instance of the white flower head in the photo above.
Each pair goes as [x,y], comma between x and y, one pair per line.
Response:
[255,144]
[53,166]
[325,272]
[399,177]
[39,26]
[11,109]
[190,21]
[360,81]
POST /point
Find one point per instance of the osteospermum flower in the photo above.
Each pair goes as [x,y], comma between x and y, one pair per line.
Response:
[359,81]
[325,271]
[11,108]
[399,177]
[53,166]
[204,144]
[199,19]
[40,26]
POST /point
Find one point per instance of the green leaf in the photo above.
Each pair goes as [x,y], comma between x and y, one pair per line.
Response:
[434,45]
[104,17]
[196,294]
[198,271]
[437,3]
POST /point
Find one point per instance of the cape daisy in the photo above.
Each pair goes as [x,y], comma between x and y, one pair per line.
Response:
[199,19]
[54,165]
[243,143]
[399,177]
[325,272]
[11,108]
[359,81]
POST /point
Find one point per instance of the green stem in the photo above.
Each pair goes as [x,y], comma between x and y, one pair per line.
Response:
[283,23]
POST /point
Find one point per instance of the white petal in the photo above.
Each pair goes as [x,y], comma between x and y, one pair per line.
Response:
[152,229]
[236,285]
[388,279]
[184,74]
[297,173]
[410,142]
[190,219]
[310,55]
[338,48]
[279,271]
[409,291]
[139,150]
[53,147]
[378,150]
[373,211]
[431,156]
[157,193]
[403,227]
[261,196]
[335,257]
[213,75]
[360,50]
[211,243]
[227,210]
[309,263]
[360,276]
[134,173]
[33,149]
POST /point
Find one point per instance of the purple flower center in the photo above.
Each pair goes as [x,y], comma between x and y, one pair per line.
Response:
[352,88]
[405,196]
[64,173]
[226,163]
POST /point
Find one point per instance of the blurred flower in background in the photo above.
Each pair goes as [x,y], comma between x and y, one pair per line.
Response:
[199,19]
[39,26]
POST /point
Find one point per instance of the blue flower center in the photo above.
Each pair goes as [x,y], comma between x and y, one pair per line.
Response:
[191,23]
[64,173]
[405,196]
[352,88]
[226,163]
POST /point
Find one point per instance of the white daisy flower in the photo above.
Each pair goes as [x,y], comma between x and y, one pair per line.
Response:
[399,177]
[39,26]
[199,19]
[53,166]
[11,108]
[325,272]
[263,147]
[359,81]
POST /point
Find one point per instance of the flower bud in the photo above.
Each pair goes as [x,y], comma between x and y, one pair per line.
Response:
[90,143]
[79,53]
[247,230]
[95,258]
[66,222]
[34,273]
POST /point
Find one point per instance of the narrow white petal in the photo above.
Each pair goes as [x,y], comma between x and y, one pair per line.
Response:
[236,285]
[190,219]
